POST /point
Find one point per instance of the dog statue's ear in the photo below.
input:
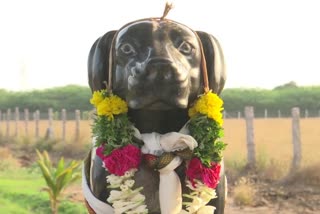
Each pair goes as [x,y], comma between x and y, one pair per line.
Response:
[214,60]
[98,61]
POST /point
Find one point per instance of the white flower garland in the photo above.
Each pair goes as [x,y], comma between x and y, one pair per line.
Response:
[126,200]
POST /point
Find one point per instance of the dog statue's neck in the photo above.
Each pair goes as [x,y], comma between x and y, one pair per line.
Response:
[162,122]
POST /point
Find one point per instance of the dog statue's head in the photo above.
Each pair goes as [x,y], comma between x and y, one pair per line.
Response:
[155,64]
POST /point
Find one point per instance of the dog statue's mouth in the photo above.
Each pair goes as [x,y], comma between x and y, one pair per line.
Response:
[157,104]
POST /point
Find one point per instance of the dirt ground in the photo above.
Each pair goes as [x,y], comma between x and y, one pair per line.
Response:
[281,199]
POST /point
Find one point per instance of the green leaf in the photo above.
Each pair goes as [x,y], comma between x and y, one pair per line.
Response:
[60,167]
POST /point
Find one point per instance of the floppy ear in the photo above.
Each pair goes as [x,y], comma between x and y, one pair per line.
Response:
[214,60]
[98,61]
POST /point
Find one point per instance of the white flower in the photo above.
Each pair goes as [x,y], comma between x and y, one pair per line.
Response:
[138,197]
[124,187]
[200,196]
[206,210]
[195,205]
[129,183]
[114,195]
[122,203]
[127,207]
[129,173]
[114,180]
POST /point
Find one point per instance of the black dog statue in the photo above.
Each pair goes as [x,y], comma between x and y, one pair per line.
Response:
[155,65]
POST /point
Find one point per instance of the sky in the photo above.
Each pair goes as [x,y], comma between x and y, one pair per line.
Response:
[266,43]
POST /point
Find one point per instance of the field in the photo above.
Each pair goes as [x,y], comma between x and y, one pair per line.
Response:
[272,190]
[273,137]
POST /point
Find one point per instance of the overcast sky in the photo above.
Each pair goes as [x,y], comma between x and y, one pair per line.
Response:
[45,43]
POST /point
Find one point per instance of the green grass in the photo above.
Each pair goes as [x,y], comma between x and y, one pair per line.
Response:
[20,193]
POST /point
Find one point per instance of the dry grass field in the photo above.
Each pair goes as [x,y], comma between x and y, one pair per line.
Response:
[273,137]
[84,138]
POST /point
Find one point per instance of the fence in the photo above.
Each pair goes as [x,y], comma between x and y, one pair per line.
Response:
[6,118]
[267,113]
[296,140]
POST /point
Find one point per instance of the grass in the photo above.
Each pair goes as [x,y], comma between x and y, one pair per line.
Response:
[22,194]
[244,192]
[20,190]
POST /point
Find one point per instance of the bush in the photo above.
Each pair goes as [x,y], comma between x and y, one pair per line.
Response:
[244,192]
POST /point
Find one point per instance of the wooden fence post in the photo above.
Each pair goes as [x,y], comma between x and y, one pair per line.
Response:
[49,132]
[8,122]
[306,113]
[296,141]
[239,114]
[16,121]
[265,113]
[279,114]
[251,155]
[77,136]
[26,120]
[36,119]
[64,120]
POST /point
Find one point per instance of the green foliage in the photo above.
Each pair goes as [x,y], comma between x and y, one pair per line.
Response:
[283,99]
[112,133]
[74,97]
[207,132]
[57,179]
[70,97]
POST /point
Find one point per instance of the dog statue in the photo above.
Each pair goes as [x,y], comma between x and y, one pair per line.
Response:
[155,65]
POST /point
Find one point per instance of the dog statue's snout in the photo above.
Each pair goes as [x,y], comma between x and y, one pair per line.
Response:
[159,69]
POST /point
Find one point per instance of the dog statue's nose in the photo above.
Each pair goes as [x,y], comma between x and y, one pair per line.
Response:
[159,69]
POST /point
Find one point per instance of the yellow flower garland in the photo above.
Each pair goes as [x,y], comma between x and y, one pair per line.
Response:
[108,105]
[208,104]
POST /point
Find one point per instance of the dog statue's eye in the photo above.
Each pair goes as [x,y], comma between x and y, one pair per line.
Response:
[127,49]
[185,48]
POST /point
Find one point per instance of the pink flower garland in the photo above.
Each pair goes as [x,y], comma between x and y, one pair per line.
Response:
[209,176]
[121,160]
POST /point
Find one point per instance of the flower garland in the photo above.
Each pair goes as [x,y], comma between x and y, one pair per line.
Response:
[121,156]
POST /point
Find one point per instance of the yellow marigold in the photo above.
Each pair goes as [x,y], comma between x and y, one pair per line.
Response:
[109,106]
[118,105]
[104,108]
[97,98]
[209,104]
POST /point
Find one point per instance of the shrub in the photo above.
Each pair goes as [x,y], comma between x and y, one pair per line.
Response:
[57,179]
[244,192]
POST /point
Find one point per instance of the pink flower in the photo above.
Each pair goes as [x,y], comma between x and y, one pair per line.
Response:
[209,176]
[122,159]
[99,152]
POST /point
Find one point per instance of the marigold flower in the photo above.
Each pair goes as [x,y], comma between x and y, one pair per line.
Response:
[97,97]
[209,104]
[109,105]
